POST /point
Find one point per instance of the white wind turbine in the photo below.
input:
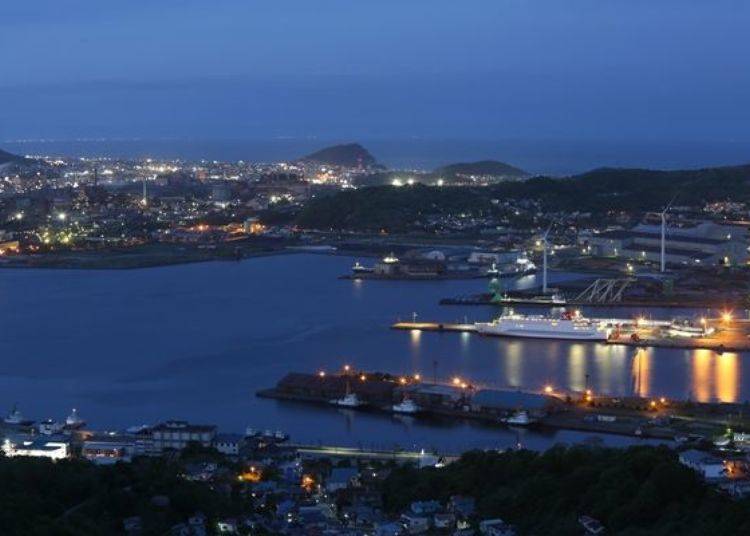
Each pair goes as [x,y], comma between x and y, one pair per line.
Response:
[544,258]
[663,257]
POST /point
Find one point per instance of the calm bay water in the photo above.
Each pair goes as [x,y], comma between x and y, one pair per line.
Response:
[196,342]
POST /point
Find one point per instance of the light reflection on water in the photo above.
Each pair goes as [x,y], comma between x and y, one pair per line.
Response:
[196,342]
[727,374]
[715,377]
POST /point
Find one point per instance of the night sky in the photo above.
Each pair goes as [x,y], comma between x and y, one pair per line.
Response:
[471,69]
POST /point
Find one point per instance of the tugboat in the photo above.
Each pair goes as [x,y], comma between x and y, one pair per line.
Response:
[349,400]
[359,269]
[15,418]
[407,406]
[493,271]
[74,421]
[519,418]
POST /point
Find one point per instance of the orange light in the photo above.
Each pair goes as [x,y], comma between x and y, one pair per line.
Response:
[548,389]
[726,316]
[456,381]
[308,482]
[402,381]
[346,368]
[417,377]
[253,475]
[588,392]
[589,398]
[663,400]
[362,377]
[652,403]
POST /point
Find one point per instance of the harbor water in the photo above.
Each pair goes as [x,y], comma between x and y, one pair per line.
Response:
[197,341]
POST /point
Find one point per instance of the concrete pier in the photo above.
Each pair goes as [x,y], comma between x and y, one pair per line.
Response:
[732,337]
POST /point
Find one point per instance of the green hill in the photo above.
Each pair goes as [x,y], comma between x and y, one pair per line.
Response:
[600,192]
[486,168]
[348,155]
[6,157]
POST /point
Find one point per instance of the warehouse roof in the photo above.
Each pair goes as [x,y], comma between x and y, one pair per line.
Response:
[491,398]
[671,237]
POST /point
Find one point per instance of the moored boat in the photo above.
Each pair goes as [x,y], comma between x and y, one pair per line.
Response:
[360,269]
[686,328]
[74,420]
[406,406]
[544,299]
[350,400]
[15,418]
[519,418]
[574,327]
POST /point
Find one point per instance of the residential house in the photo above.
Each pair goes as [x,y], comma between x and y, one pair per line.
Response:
[341,478]
[229,444]
[415,524]
[708,466]
[496,527]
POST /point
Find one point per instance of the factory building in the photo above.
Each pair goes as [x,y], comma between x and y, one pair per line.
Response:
[706,243]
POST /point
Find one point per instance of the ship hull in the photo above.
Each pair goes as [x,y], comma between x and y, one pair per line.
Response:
[530,333]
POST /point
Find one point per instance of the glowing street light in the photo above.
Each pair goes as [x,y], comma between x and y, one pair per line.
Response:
[322,373]
[548,389]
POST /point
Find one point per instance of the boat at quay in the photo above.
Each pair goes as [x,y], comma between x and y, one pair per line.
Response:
[567,326]
[241,349]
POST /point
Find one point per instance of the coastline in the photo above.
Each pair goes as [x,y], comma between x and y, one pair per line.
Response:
[138,257]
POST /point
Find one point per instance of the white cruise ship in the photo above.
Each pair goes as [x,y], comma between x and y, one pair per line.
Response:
[567,326]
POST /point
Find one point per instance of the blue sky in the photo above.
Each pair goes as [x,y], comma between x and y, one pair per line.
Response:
[474,69]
